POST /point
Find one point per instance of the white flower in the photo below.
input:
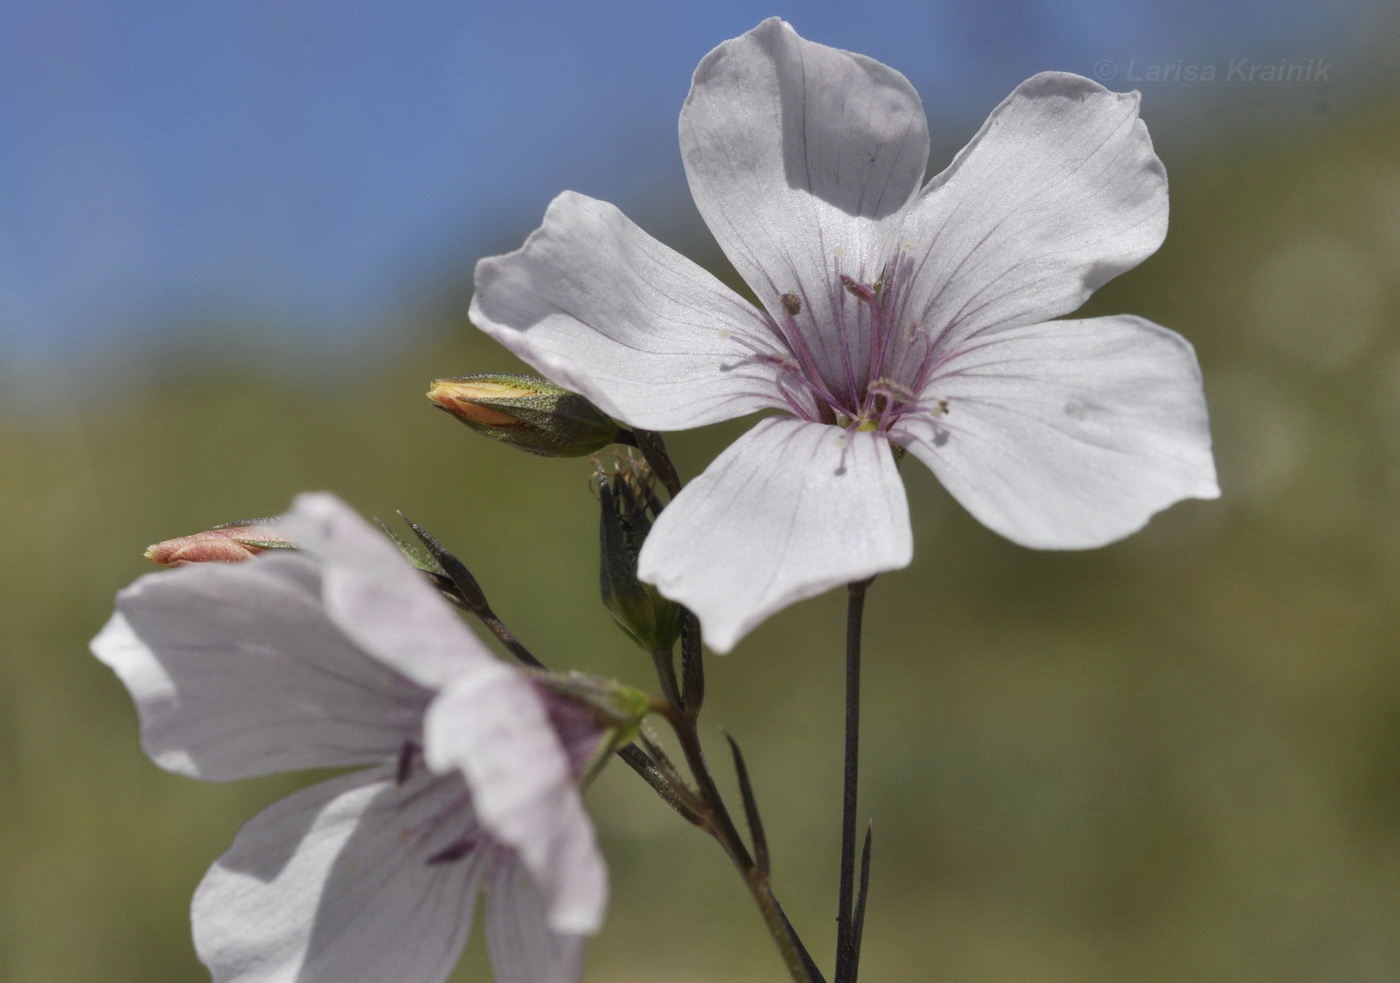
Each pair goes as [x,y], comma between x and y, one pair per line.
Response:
[890,316]
[342,655]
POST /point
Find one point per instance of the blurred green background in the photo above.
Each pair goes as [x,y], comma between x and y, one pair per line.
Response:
[1176,758]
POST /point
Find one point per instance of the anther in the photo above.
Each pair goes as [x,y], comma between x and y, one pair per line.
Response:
[792,304]
[889,387]
[857,289]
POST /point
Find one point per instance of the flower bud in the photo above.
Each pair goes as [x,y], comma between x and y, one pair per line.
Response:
[231,542]
[629,506]
[526,412]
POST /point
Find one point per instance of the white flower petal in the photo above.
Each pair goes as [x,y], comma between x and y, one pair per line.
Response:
[1057,194]
[801,156]
[787,511]
[334,885]
[523,947]
[236,670]
[492,725]
[1070,434]
[602,308]
[378,598]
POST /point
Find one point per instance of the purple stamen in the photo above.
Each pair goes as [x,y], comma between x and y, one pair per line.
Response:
[838,307]
[874,395]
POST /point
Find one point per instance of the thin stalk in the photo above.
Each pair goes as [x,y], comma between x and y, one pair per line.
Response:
[795,957]
[453,579]
[808,962]
[483,613]
[507,638]
[642,764]
[680,708]
[847,944]
[665,664]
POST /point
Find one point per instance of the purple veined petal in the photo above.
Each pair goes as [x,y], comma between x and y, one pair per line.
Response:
[338,884]
[523,947]
[1057,194]
[378,598]
[787,511]
[600,307]
[801,157]
[492,726]
[1069,434]
[236,670]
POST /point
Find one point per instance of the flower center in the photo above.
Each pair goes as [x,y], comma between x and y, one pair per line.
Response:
[853,358]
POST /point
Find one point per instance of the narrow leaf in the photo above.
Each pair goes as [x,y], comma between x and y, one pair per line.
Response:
[858,919]
[760,842]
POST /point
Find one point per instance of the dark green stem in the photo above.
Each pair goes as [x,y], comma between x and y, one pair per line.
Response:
[847,942]
[666,675]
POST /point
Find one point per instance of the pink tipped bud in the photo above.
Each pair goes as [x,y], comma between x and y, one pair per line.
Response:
[230,543]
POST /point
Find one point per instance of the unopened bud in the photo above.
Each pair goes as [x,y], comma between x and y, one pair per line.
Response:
[629,506]
[232,542]
[526,412]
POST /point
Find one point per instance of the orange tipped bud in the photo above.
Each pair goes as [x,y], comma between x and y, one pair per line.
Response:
[526,412]
[230,543]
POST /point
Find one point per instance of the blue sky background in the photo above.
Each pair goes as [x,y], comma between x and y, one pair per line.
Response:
[266,171]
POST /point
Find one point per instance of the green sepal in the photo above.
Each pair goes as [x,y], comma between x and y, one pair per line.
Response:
[618,708]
